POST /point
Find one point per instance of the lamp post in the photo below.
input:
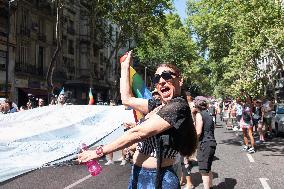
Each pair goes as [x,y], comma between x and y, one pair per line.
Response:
[8,49]
[145,75]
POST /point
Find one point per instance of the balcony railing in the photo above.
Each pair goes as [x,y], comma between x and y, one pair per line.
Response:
[25,32]
[71,30]
[3,67]
[29,69]
[84,72]
[71,50]
[70,68]
[85,39]
[42,37]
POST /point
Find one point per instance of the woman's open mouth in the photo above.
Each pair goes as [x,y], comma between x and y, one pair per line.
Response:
[165,91]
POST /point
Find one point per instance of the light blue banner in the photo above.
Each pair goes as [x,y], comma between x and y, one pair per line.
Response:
[31,139]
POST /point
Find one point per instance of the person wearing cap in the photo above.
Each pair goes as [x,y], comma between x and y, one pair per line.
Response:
[207,143]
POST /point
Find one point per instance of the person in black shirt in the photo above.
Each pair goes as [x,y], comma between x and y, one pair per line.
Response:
[257,118]
[170,119]
[207,143]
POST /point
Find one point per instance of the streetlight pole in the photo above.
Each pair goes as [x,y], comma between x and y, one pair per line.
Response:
[8,50]
[145,75]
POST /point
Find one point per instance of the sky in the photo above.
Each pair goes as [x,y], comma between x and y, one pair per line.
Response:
[180,5]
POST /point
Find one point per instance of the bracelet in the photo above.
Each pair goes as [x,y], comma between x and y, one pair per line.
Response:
[100,151]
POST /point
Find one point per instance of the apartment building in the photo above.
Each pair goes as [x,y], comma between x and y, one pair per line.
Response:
[272,71]
[88,61]
[35,30]
[7,18]
[84,61]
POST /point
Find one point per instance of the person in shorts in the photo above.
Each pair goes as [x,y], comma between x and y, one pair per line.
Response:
[247,126]
[239,113]
[207,143]
[267,116]
[257,118]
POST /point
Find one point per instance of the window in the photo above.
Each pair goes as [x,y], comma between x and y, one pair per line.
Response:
[3,24]
[23,53]
[70,47]
[25,19]
[3,56]
[40,60]
[101,58]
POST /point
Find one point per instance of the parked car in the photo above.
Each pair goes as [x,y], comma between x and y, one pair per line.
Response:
[278,119]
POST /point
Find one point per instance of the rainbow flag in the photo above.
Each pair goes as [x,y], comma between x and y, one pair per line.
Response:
[138,87]
[91,98]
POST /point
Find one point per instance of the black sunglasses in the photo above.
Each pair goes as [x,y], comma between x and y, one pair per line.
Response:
[166,75]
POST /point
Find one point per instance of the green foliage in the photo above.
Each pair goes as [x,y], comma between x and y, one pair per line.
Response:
[134,17]
[173,45]
[233,34]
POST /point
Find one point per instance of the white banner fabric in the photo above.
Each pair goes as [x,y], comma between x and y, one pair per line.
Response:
[32,138]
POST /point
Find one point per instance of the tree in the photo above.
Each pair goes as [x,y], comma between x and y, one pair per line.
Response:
[233,34]
[133,18]
[173,45]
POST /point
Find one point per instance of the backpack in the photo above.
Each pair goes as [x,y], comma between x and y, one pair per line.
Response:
[247,114]
[212,110]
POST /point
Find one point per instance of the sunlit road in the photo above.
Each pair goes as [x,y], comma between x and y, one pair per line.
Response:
[231,169]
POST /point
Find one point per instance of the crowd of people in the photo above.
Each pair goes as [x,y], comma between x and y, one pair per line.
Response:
[7,106]
[251,116]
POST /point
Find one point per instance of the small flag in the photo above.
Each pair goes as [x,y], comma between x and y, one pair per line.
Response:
[62,91]
[91,98]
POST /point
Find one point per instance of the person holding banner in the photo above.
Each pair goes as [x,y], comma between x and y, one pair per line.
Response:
[165,131]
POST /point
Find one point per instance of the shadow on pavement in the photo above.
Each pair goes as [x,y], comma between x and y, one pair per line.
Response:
[215,158]
[227,183]
[234,141]
[197,179]
[273,145]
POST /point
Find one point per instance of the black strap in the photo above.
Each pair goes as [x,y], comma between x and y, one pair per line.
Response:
[162,141]
[159,162]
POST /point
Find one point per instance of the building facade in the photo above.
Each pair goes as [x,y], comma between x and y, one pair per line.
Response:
[35,25]
[271,70]
[7,46]
[84,60]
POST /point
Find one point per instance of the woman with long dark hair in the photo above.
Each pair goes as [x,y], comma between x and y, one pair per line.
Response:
[160,136]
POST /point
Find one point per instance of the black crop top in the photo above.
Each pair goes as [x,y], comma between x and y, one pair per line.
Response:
[175,113]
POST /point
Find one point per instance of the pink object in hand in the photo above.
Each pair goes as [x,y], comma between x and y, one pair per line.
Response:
[93,166]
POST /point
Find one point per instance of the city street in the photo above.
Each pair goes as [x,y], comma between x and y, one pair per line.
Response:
[231,169]
[76,74]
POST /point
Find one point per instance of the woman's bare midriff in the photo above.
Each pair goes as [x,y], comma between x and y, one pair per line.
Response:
[146,161]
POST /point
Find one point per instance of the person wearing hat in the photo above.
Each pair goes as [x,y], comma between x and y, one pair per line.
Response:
[207,143]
